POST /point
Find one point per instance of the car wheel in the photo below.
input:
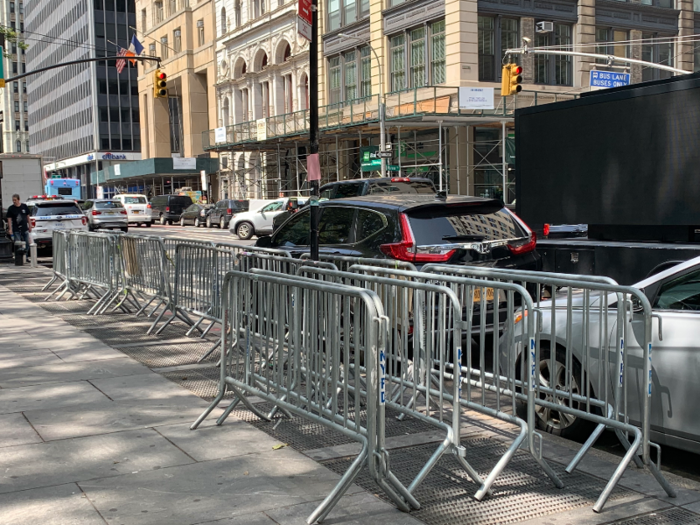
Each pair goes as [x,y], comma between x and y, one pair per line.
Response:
[245,231]
[125,230]
[197,224]
[148,225]
[182,222]
[162,221]
[208,222]
[222,223]
[554,421]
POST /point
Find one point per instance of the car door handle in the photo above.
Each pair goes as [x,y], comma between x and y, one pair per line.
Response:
[661,333]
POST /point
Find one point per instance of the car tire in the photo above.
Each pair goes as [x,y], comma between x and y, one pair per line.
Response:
[162,221]
[208,222]
[551,421]
[222,223]
[148,225]
[197,224]
[245,230]
[182,222]
[125,230]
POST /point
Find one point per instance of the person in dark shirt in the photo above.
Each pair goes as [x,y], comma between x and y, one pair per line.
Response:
[18,225]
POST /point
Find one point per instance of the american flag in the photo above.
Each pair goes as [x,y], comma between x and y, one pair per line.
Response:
[121,63]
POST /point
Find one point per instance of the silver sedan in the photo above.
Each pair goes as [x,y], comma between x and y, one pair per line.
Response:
[674,295]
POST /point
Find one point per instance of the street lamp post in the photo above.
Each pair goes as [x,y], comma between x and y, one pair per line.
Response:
[382,107]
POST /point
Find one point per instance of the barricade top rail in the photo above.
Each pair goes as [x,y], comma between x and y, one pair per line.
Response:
[254,249]
[522,275]
[348,260]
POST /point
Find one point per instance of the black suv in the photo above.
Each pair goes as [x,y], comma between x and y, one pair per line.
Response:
[168,208]
[221,214]
[420,229]
[379,186]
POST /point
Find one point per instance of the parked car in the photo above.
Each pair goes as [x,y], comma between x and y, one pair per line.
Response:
[196,214]
[416,228]
[674,294]
[378,186]
[260,222]
[107,214]
[167,209]
[221,214]
[138,210]
[49,215]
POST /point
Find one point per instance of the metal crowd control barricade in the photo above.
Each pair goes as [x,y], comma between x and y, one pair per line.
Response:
[580,322]
[484,393]
[299,360]
[59,246]
[344,262]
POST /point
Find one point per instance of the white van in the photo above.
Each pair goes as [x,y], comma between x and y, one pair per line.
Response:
[138,210]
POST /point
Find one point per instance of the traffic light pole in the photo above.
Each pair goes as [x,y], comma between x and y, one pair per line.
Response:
[313,128]
[82,61]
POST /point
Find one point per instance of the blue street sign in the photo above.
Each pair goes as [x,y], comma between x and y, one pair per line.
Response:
[608,79]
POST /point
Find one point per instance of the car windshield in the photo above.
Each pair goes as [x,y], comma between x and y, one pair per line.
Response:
[273,207]
[348,190]
[379,188]
[469,223]
[54,209]
[106,205]
[134,200]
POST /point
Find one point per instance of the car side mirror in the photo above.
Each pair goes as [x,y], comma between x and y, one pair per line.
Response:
[264,241]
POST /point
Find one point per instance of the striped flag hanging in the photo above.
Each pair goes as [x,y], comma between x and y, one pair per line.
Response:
[121,63]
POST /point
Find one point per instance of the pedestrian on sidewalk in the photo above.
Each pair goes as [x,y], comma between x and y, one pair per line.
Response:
[18,225]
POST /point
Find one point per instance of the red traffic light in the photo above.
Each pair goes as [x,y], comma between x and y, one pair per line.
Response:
[161,75]
[516,70]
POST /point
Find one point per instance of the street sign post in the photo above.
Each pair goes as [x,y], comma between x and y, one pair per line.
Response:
[2,67]
[304,19]
[608,79]
[380,155]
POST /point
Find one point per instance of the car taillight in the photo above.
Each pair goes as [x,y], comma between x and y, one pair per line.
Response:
[406,249]
[95,212]
[545,230]
[167,208]
[148,206]
[84,220]
[32,222]
[523,246]
[228,211]
[123,212]
[400,179]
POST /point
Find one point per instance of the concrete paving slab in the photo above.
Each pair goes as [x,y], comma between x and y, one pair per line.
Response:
[693,507]
[95,351]
[60,505]
[53,396]
[109,416]
[212,490]
[355,509]
[15,430]
[73,460]
[65,372]
[150,387]
[256,518]
[19,358]
[233,438]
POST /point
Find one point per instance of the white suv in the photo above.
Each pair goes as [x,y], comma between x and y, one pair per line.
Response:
[47,216]
[259,222]
[138,210]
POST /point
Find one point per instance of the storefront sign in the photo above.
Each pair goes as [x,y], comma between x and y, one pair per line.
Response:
[186,163]
[262,129]
[475,98]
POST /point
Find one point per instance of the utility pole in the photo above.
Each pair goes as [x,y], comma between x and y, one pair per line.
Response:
[312,158]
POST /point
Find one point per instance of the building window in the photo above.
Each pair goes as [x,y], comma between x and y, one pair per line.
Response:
[14,67]
[16,125]
[366,72]
[143,19]
[12,7]
[350,63]
[16,106]
[200,32]
[24,87]
[21,8]
[417,57]
[437,52]
[344,12]
[164,47]
[224,27]
[696,6]
[265,93]
[177,40]
[398,62]
[24,67]
[552,69]
[19,146]
[244,105]
[350,75]
[158,12]
[237,13]
[659,3]
[258,8]
[26,126]
[496,34]
[27,145]
[657,49]
[15,87]
[25,106]
[334,80]
[611,37]
[152,49]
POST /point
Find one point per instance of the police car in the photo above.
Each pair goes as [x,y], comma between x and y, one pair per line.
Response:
[49,214]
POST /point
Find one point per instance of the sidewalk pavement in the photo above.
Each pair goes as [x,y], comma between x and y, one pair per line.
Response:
[91,436]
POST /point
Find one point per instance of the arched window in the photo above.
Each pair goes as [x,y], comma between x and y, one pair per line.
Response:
[224,28]
[237,13]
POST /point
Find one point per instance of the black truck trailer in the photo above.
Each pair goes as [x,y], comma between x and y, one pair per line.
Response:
[624,161]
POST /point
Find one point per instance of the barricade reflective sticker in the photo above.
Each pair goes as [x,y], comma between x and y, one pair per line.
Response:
[457,365]
[382,377]
[649,380]
[534,365]
[622,360]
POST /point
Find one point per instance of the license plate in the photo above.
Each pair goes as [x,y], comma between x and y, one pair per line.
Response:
[489,294]
[135,211]
[109,213]
[58,226]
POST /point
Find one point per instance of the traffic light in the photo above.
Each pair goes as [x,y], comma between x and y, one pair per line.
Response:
[160,84]
[511,78]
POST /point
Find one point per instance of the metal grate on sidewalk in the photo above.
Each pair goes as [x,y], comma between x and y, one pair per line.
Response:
[673,516]
[520,493]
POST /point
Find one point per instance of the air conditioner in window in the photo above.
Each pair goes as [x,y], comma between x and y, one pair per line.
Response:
[544,27]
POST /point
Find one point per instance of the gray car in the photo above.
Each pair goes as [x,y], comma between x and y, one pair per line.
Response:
[674,295]
[106,214]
